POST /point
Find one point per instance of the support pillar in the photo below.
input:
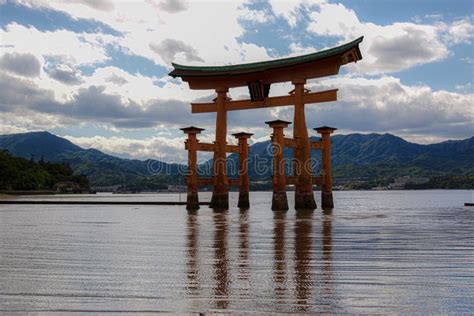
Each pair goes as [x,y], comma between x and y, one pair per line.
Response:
[213,173]
[279,199]
[304,197]
[326,189]
[192,200]
[243,169]
[221,187]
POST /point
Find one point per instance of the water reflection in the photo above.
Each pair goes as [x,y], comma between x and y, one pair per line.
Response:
[303,258]
[192,247]
[279,257]
[243,263]
[300,288]
[221,264]
[327,254]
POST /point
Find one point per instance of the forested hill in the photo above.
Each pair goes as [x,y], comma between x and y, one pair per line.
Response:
[18,173]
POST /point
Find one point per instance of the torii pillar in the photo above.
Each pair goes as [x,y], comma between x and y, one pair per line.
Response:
[304,197]
[326,188]
[279,199]
[191,144]
[243,169]
[220,195]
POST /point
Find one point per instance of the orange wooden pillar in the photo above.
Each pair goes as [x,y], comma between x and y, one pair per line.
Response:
[326,189]
[191,144]
[220,198]
[243,169]
[213,172]
[304,197]
[279,199]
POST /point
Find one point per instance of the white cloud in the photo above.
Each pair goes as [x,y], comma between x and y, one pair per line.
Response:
[169,48]
[464,87]
[468,60]
[387,105]
[93,104]
[386,48]
[144,25]
[298,49]
[460,31]
[11,129]
[159,147]
[289,9]
[171,6]
[103,5]
[141,88]
[256,16]
[78,49]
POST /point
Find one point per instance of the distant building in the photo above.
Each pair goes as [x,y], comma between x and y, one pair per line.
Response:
[399,183]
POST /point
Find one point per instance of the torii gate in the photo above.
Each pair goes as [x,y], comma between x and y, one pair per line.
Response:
[258,77]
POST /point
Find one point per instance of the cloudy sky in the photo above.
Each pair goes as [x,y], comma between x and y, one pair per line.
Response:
[95,71]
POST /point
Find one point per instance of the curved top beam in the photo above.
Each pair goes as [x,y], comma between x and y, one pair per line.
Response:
[318,64]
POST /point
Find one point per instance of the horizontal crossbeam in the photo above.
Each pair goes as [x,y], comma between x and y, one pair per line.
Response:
[212,147]
[316,144]
[308,98]
[291,142]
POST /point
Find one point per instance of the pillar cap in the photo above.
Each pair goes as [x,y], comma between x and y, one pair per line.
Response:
[325,129]
[192,130]
[278,123]
[242,135]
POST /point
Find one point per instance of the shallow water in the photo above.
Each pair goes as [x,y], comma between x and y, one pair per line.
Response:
[376,252]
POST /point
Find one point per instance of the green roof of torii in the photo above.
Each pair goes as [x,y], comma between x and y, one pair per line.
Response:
[182,70]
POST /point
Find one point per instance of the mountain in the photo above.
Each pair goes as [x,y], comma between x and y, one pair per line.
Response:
[100,168]
[377,156]
[38,144]
[354,157]
[370,156]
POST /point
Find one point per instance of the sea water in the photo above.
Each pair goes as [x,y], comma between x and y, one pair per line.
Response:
[376,252]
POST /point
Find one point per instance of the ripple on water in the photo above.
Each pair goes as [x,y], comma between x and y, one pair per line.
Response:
[376,252]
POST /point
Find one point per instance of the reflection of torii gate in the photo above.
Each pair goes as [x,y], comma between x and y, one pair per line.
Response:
[259,77]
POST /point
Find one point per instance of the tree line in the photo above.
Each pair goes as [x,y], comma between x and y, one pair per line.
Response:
[18,173]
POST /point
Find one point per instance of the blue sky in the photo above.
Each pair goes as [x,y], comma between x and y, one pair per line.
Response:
[96,71]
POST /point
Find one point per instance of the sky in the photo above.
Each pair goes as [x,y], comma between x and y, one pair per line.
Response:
[96,71]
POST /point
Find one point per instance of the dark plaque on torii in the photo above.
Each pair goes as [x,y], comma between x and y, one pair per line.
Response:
[258,77]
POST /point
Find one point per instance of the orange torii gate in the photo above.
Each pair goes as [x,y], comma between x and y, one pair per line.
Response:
[258,77]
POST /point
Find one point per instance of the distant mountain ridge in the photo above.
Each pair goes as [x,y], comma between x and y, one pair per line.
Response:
[354,156]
